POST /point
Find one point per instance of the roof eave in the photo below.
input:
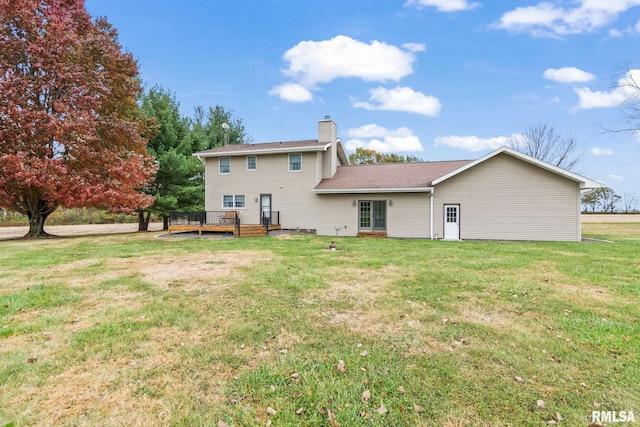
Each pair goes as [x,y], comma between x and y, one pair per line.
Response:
[319,147]
[372,190]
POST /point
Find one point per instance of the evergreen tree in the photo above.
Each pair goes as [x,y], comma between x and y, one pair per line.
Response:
[175,183]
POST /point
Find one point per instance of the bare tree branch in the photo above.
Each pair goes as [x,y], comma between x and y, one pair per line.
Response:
[544,143]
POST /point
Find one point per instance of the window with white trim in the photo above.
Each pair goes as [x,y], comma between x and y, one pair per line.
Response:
[252,163]
[225,165]
[231,201]
[295,162]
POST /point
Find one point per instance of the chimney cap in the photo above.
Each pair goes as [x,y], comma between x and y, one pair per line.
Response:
[327,117]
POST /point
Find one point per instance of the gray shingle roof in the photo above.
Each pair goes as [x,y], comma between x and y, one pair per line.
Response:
[388,175]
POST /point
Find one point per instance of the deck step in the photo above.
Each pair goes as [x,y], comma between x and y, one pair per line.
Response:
[372,234]
[252,231]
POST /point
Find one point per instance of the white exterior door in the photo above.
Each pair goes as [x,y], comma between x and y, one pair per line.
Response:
[265,208]
[452,222]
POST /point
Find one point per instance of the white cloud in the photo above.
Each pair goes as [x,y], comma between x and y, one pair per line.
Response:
[292,92]
[614,32]
[311,63]
[545,19]
[603,99]
[443,5]
[474,143]
[383,140]
[415,47]
[616,177]
[601,151]
[401,99]
[568,75]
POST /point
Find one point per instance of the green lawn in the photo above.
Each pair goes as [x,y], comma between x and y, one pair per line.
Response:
[135,330]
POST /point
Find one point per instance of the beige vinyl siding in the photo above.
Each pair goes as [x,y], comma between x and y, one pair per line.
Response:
[505,198]
[407,214]
[291,191]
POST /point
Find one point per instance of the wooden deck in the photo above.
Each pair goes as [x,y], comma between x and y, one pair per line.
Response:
[246,230]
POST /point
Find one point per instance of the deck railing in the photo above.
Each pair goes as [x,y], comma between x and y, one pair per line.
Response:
[272,219]
[187,218]
[229,217]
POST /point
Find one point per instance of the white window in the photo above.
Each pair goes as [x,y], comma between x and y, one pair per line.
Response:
[252,163]
[225,165]
[295,162]
[230,201]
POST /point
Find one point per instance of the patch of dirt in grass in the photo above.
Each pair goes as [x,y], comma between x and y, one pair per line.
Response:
[188,272]
[360,285]
[96,392]
[546,274]
[148,386]
[372,322]
[585,290]
[112,298]
[362,290]
[474,313]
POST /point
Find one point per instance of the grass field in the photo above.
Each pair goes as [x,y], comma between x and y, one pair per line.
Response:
[135,330]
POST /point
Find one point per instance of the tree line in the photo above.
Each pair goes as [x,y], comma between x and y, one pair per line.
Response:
[606,200]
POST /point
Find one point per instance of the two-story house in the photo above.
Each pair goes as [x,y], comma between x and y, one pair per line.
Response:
[310,185]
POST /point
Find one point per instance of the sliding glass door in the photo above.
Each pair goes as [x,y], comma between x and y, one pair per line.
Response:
[372,215]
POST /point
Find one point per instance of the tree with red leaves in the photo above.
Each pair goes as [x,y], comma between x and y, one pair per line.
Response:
[70,128]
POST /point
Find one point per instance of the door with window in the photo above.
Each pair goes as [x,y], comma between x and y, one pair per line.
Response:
[265,209]
[373,215]
[452,222]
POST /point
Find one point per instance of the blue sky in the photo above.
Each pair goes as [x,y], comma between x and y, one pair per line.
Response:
[438,79]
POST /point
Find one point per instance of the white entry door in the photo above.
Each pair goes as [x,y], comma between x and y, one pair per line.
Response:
[452,222]
[265,209]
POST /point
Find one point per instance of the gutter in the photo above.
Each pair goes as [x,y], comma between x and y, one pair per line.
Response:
[372,190]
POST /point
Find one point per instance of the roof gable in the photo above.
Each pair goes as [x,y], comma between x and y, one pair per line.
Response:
[585,183]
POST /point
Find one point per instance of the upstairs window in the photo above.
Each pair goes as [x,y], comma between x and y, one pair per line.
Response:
[225,165]
[252,163]
[295,162]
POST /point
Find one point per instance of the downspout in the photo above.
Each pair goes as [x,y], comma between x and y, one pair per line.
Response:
[431,214]
[580,194]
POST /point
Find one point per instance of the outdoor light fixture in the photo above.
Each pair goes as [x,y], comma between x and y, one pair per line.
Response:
[353,204]
[390,202]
